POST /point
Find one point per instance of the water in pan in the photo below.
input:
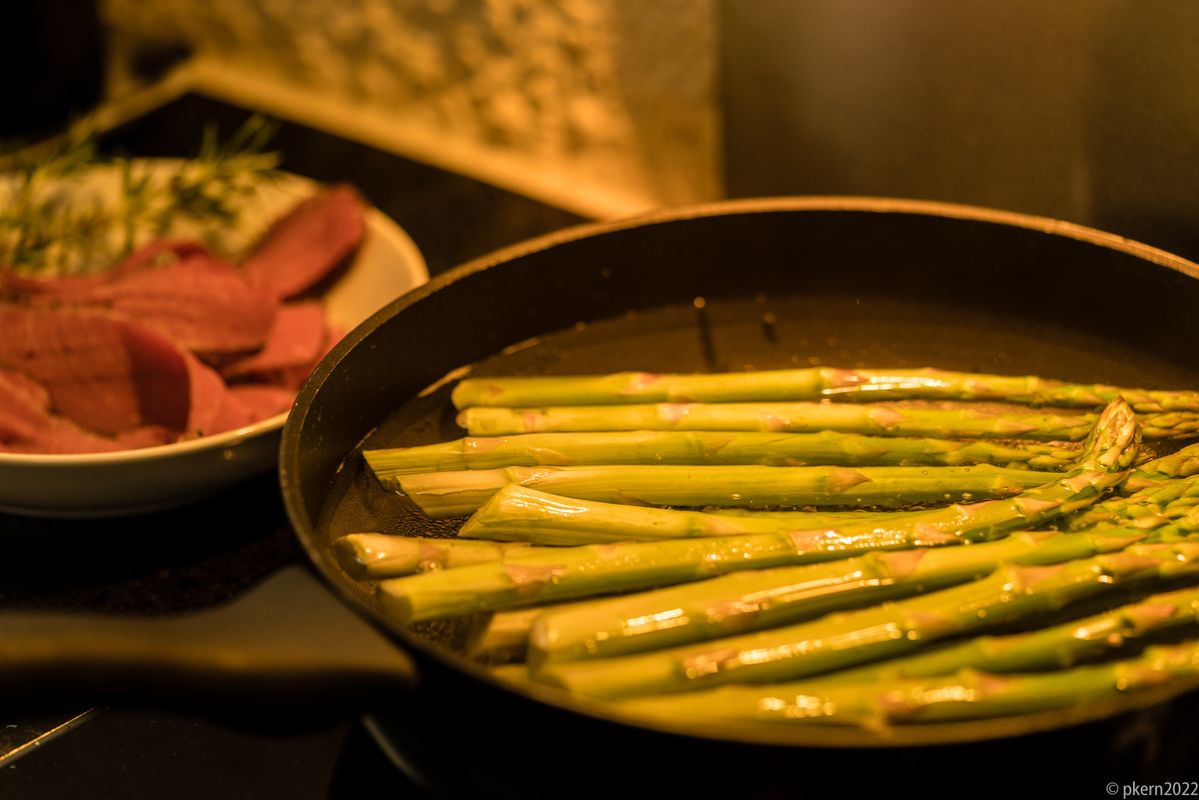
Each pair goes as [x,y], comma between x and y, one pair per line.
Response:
[753,333]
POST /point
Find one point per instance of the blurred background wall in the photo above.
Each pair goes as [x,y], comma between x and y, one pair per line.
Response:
[608,100]
[1086,110]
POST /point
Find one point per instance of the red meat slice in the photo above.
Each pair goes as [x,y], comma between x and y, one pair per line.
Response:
[24,407]
[65,286]
[27,426]
[107,374]
[201,303]
[213,408]
[145,436]
[296,341]
[22,387]
[304,245]
[293,377]
[262,400]
[63,437]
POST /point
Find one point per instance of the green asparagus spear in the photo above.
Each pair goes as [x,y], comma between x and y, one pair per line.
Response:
[824,518]
[589,570]
[750,601]
[842,640]
[1155,504]
[502,635]
[1051,648]
[520,514]
[878,419]
[367,556]
[967,694]
[945,421]
[448,494]
[707,447]
[808,384]
[1183,463]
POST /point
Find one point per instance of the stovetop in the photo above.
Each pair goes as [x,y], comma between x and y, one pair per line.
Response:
[133,753]
[192,558]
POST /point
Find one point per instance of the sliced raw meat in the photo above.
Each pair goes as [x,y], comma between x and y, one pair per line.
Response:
[24,407]
[304,245]
[22,387]
[145,436]
[262,400]
[27,426]
[208,399]
[296,341]
[107,374]
[63,437]
[294,378]
[235,413]
[155,253]
[201,303]
[215,408]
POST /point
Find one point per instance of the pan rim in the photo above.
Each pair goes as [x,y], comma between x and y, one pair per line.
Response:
[754,733]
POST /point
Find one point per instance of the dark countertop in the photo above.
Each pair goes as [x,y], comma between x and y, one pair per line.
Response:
[209,553]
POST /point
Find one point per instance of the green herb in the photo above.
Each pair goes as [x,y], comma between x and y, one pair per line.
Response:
[50,225]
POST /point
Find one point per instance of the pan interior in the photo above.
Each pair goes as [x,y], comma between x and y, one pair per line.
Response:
[732,293]
[760,332]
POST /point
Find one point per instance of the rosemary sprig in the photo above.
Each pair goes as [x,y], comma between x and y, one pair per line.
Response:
[49,225]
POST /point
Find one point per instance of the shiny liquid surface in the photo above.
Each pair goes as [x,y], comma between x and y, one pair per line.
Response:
[761,332]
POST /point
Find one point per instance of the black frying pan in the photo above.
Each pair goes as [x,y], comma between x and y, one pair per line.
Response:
[853,282]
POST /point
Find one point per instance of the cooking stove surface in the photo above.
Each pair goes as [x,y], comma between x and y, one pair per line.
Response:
[129,753]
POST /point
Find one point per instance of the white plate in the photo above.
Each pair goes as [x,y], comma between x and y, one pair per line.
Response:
[387,265]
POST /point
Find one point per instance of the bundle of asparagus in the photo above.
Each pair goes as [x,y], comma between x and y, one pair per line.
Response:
[930,518]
